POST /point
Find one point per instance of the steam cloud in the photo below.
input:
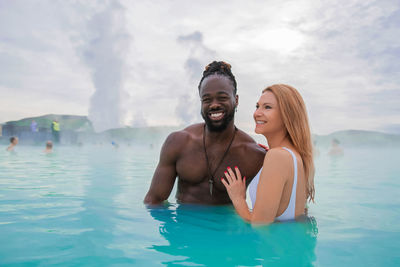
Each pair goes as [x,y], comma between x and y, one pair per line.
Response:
[187,109]
[105,51]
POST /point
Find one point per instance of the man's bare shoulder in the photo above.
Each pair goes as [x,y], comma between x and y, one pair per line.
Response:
[196,129]
[178,139]
[249,144]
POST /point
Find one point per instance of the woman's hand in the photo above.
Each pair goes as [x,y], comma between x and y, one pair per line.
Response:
[235,185]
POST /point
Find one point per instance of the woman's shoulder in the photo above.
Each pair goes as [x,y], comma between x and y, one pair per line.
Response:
[278,153]
[278,160]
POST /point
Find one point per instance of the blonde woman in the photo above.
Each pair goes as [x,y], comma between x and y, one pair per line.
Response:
[285,183]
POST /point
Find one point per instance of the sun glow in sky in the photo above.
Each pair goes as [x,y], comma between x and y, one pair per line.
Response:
[138,63]
[282,40]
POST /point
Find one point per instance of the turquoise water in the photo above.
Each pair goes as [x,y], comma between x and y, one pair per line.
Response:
[83,206]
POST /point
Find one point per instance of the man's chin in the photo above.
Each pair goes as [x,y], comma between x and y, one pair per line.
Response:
[218,126]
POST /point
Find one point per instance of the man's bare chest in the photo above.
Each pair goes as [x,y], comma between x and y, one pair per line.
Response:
[193,166]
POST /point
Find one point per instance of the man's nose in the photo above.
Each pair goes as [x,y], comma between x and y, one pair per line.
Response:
[215,104]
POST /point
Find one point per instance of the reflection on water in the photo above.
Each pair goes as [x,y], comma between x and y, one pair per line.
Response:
[215,236]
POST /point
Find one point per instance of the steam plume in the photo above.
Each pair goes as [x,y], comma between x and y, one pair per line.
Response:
[105,52]
[187,109]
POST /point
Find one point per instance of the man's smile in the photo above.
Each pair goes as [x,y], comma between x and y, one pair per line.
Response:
[216,115]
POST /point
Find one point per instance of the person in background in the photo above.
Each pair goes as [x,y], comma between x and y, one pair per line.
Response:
[335,150]
[49,147]
[114,144]
[13,143]
[34,128]
[286,181]
[55,130]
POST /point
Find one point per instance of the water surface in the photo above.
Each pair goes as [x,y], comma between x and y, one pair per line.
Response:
[83,206]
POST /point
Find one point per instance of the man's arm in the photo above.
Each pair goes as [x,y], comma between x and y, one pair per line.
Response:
[165,173]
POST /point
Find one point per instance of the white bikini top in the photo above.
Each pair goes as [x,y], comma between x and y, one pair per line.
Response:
[289,213]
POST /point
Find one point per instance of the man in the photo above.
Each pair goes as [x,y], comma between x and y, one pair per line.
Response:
[335,150]
[199,154]
[49,147]
[34,128]
[13,143]
[55,130]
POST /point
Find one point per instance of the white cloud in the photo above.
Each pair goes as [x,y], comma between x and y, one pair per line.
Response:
[342,56]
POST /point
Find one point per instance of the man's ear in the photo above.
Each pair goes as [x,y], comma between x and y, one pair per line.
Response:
[237,100]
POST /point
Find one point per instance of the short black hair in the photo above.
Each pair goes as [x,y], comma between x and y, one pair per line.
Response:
[49,144]
[219,68]
[12,139]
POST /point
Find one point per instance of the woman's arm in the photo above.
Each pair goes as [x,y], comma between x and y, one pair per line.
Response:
[276,170]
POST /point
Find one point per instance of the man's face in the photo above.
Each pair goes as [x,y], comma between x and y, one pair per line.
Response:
[218,102]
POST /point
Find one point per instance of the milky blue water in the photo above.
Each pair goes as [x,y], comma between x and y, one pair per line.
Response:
[83,207]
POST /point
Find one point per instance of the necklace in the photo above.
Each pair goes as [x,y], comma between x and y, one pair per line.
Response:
[210,173]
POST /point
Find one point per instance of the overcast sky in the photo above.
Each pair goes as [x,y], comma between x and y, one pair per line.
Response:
[138,63]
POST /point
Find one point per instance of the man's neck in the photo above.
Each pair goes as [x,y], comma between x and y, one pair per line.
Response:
[220,136]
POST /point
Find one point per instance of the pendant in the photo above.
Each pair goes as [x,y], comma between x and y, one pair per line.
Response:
[211,182]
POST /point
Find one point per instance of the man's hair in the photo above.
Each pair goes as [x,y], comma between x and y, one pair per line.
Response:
[219,68]
[49,144]
[12,139]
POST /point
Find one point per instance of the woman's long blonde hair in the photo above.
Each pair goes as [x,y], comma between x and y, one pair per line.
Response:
[294,117]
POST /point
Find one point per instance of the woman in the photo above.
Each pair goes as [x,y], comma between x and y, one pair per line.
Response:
[286,181]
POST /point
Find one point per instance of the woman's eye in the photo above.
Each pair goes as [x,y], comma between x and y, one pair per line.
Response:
[268,107]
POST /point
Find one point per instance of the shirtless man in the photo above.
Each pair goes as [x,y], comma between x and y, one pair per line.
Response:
[49,147]
[199,154]
[13,143]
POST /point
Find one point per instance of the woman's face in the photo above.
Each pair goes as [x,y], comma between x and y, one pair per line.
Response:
[267,115]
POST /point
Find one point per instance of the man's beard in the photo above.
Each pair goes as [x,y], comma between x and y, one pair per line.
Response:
[220,127]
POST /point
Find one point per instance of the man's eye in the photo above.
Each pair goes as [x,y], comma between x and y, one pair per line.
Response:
[205,100]
[223,98]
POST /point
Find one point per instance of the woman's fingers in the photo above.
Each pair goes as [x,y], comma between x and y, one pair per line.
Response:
[235,175]
[225,183]
[228,177]
[238,174]
[232,174]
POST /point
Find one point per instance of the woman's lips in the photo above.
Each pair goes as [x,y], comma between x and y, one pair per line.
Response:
[260,123]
